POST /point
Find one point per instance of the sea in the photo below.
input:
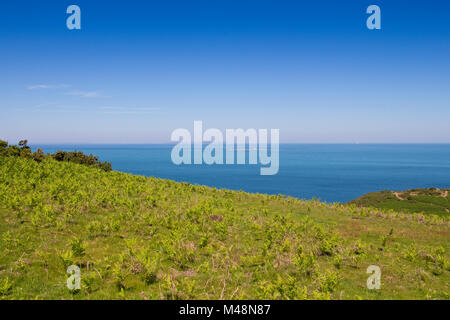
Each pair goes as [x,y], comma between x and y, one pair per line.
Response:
[329,172]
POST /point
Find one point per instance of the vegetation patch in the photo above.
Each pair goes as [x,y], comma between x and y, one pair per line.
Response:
[24,151]
[428,201]
[135,237]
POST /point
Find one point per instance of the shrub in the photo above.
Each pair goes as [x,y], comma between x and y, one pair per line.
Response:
[3,145]
[24,151]
[328,281]
[78,248]
[410,253]
[80,158]
[39,155]
[305,262]
[285,288]
[337,261]
[5,287]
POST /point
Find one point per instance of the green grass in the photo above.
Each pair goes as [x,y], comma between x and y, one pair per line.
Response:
[146,238]
[428,201]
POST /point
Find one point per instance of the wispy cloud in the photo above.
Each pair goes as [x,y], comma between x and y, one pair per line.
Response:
[77,93]
[128,110]
[51,107]
[86,94]
[48,86]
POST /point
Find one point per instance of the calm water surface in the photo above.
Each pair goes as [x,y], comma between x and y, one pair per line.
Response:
[333,173]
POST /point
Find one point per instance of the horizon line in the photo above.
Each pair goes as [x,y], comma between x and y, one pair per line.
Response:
[206,143]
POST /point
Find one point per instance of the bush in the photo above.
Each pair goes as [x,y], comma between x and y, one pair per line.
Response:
[38,155]
[78,247]
[3,145]
[80,158]
[24,151]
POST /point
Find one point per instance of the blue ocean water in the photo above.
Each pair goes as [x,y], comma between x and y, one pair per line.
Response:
[332,173]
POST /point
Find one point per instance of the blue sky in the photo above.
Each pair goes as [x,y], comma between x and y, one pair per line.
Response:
[138,70]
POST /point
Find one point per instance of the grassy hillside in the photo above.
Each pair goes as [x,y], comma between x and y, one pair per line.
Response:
[148,238]
[429,201]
